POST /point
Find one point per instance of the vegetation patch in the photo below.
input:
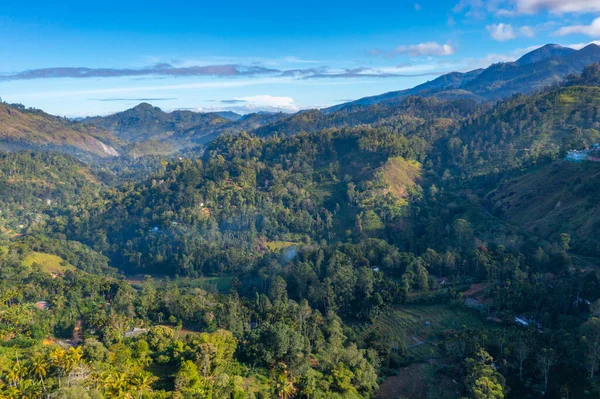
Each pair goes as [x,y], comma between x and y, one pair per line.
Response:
[49,263]
[277,246]
[401,177]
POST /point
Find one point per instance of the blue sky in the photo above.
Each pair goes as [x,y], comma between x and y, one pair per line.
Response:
[81,58]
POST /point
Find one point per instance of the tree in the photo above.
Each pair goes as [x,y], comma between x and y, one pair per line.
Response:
[463,232]
[522,353]
[482,380]
[142,382]
[39,367]
[284,384]
[57,357]
[342,379]
[187,377]
[545,360]
[590,332]
[278,291]
[565,240]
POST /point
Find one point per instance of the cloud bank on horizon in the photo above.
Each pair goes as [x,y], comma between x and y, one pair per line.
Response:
[70,68]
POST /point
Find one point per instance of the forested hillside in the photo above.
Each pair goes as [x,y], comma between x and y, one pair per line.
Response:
[32,183]
[556,198]
[405,114]
[524,129]
[418,248]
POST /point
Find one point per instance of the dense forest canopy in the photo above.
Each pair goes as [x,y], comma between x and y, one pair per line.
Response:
[414,248]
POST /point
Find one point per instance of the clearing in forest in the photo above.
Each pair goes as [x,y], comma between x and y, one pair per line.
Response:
[401,177]
[50,263]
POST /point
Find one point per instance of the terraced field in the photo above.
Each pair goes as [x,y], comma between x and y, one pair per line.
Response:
[416,328]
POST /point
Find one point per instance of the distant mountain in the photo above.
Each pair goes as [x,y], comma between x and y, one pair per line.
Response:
[145,122]
[232,116]
[178,129]
[450,81]
[205,132]
[543,53]
[537,69]
[22,128]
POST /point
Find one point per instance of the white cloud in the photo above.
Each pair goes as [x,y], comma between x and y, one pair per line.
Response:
[266,102]
[429,48]
[417,7]
[557,6]
[506,8]
[501,32]
[592,30]
[527,31]
[293,59]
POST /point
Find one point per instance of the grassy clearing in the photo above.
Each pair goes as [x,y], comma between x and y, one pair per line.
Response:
[49,263]
[401,177]
[277,246]
[221,284]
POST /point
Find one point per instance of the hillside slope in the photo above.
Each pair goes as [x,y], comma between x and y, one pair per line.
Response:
[558,198]
[22,128]
[405,113]
[31,183]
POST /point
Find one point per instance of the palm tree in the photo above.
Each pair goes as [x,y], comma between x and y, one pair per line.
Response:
[15,374]
[142,382]
[284,385]
[57,356]
[30,389]
[39,367]
[72,358]
[115,383]
[10,393]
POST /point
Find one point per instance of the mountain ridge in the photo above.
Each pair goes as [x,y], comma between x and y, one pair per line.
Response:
[538,68]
